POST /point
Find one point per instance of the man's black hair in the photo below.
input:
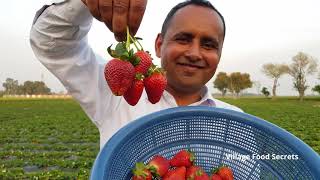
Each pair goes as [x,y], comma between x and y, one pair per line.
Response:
[203,3]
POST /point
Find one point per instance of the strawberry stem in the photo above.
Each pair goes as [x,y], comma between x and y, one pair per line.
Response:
[134,43]
[138,43]
[128,39]
[133,39]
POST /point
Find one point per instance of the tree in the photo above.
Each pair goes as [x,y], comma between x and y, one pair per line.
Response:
[274,71]
[302,66]
[265,91]
[238,82]
[257,85]
[221,83]
[41,88]
[11,86]
[36,87]
[316,89]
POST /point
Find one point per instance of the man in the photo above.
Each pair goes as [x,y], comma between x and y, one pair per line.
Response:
[189,45]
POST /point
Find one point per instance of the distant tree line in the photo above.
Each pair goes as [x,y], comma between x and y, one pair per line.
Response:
[233,83]
[301,67]
[12,87]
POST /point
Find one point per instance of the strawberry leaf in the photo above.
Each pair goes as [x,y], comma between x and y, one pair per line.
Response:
[121,49]
[111,52]
[131,52]
[124,56]
[135,60]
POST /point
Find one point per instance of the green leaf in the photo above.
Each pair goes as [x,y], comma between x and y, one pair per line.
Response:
[135,60]
[121,49]
[124,56]
[111,52]
[131,52]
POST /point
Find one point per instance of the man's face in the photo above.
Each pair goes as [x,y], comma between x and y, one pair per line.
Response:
[191,48]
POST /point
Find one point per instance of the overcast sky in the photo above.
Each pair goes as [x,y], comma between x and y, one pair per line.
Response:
[258,32]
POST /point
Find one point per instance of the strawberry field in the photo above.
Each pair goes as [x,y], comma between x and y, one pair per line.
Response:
[54,139]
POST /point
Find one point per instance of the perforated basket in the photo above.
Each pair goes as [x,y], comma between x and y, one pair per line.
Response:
[216,136]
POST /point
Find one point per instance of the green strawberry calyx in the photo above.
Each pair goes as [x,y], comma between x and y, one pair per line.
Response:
[153,170]
[123,50]
[154,69]
[139,170]
[215,170]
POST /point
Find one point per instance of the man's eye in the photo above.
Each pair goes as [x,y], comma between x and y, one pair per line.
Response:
[182,40]
[209,45]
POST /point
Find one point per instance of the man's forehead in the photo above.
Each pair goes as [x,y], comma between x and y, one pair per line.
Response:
[205,18]
[201,10]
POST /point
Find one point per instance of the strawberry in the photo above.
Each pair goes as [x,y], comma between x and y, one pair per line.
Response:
[215,177]
[182,158]
[159,165]
[140,172]
[133,94]
[196,173]
[155,84]
[224,172]
[119,75]
[144,63]
[176,174]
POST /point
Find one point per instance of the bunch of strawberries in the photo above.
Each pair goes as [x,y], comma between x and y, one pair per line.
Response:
[129,72]
[180,167]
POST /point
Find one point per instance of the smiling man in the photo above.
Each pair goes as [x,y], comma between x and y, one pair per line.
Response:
[189,45]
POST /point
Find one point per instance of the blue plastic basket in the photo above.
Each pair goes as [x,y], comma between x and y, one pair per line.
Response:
[216,136]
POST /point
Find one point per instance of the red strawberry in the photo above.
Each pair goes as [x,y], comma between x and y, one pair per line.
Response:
[159,165]
[215,177]
[176,174]
[224,172]
[119,75]
[182,158]
[133,94]
[155,84]
[140,172]
[145,62]
[196,173]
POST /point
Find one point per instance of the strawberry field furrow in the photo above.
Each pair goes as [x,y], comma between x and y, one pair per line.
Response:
[54,139]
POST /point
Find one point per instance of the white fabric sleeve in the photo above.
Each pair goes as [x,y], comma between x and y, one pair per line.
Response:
[58,38]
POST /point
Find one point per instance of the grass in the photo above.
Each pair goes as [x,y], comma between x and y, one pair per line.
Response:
[302,119]
[54,139]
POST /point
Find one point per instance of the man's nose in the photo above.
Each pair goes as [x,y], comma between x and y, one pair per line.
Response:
[194,52]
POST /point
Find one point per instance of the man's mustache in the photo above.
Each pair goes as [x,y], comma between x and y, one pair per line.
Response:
[187,62]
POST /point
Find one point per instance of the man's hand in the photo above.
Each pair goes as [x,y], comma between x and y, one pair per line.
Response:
[118,14]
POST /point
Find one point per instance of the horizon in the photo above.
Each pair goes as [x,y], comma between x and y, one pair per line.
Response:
[257,33]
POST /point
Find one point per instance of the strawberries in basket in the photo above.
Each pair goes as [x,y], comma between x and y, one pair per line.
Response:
[180,167]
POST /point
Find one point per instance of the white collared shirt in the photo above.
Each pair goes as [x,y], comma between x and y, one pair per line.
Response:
[59,40]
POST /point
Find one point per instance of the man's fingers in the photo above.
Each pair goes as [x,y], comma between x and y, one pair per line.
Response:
[105,8]
[118,14]
[93,6]
[120,21]
[137,9]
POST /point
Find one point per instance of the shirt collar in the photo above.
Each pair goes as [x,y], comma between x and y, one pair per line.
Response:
[206,98]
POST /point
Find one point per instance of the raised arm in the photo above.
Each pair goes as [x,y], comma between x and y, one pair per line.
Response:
[59,40]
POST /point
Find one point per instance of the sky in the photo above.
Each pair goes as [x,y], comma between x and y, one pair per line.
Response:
[258,32]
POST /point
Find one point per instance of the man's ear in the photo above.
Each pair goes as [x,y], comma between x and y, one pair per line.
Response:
[158,44]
